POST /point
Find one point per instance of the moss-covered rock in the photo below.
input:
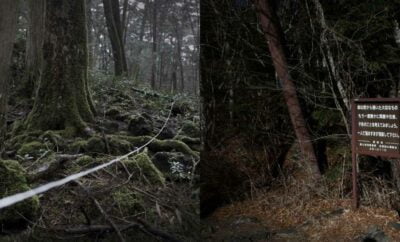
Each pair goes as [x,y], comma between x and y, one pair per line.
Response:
[95,145]
[113,112]
[140,125]
[143,165]
[92,145]
[32,148]
[128,201]
[14,181]
[84,160]
[78,146]
[190,129]
[118,146]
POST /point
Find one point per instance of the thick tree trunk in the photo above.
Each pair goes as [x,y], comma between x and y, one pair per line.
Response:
[34,46]
[154,49]
[114,26]
[274,37]
[63,100]
[8,30]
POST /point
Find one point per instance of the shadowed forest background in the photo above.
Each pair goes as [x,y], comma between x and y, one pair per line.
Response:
[259,61]
[82,83]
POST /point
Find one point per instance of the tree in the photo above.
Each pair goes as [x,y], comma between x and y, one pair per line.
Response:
[114,26]
[8,27]
[275,38]
[34,46]
[63,100]
[154,47]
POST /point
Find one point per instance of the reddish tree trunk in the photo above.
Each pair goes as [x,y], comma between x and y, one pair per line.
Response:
[275,38]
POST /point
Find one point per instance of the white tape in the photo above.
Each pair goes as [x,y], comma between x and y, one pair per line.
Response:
[8,201]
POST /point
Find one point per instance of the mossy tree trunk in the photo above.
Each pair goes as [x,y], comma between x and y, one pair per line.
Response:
[8,29]
[63,100]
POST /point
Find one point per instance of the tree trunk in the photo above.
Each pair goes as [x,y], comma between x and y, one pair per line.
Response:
[8,27]
[34,46]
[275,38]
[114,26]
[154,50]
[144,19]
[179,55]
[63,100]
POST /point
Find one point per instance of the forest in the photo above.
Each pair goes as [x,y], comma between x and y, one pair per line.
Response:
[99,120]
[189,120]
[277,82]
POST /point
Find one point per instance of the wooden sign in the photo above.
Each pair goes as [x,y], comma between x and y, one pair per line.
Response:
[375,131]
[377,126]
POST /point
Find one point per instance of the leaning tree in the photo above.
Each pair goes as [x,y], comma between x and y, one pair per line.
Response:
[63,101]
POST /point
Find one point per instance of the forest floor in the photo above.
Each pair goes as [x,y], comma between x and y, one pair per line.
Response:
[277,215]
[150,196]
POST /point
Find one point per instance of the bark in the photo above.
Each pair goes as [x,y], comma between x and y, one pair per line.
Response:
[179,55]
[8,27]
[154,49]
[34,46]
[114,26]
[63,100]
[275,38]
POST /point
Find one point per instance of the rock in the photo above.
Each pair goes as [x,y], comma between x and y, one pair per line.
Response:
[119,146]
[142,164]
[14,181]
[375,234]
[191,129]
[110,126]
[31,148]
[113,112]
[139,125]
[95,145]
[181,107]
[168,132]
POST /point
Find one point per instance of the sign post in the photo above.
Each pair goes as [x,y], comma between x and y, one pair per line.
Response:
[375,131]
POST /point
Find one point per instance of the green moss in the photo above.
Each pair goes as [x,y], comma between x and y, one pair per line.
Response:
[14,181]
[142,163]
[119,146]
[128,201]
[190,129]
[78,146]
[32,148]
[54,137]
[84,160]
[95,145]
